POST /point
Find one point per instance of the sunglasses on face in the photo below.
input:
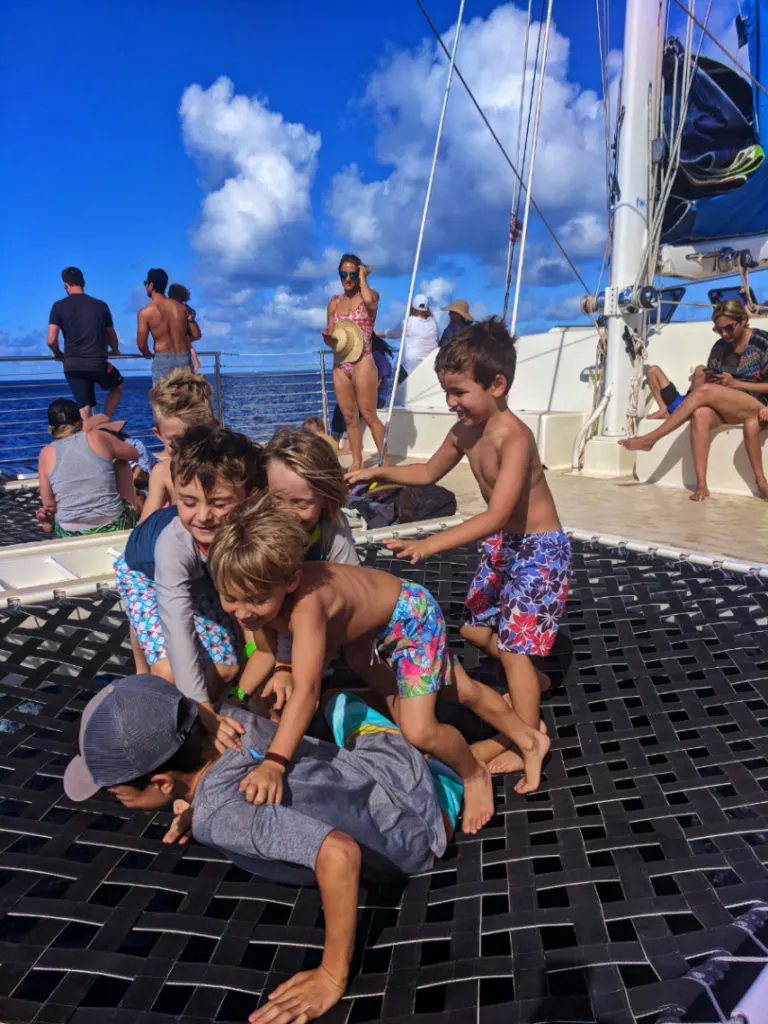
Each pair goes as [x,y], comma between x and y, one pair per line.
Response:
[352,275]
[727,329]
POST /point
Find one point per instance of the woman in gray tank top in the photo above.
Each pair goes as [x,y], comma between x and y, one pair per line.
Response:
[80,476]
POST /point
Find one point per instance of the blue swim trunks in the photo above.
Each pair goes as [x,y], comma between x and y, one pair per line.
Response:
[519,589]
[414,644]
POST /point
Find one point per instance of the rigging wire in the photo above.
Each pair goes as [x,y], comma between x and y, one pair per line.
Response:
[653,244]
[516,188]
[503,151]
[425,211]
[534,142]
[717,43]
[603,43]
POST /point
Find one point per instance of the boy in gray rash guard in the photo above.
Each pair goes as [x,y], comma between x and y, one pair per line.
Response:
[371,802]
[163,577]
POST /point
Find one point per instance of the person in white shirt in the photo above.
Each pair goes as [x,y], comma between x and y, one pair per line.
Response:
[420,337]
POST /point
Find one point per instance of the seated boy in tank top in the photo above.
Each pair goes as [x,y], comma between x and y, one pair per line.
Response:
[179,628]
[517,597]
[179,400]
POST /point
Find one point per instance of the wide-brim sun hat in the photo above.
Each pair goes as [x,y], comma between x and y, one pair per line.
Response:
[459,306]
[348,343]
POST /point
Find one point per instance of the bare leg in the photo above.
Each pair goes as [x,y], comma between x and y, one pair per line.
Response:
[420,727]
[657,380]
[346,397]
[732,405]
[488,641]
[365,379]
[219,678]
[139,658]
[162,668]
[379,677]
[492,708]
[703,422]
[124,481]
[524,687]
[110,402]
[752,430]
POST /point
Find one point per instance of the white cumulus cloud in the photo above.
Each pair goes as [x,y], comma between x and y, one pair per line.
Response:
[473,183]
[262,168]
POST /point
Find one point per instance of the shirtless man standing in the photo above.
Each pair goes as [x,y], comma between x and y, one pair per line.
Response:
[167,322]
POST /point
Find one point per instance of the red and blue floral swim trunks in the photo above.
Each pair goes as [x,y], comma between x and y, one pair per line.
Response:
[519,589]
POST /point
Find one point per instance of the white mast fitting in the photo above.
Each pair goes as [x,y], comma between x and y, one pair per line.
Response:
[603,455]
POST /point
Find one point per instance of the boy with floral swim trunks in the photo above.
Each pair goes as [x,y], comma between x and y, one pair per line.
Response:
[257,564]
[163,577]
[517,597]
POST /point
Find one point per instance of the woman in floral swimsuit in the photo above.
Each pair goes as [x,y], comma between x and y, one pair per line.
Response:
[356,383]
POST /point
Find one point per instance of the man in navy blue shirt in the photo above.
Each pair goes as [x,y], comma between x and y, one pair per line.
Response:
[86,324]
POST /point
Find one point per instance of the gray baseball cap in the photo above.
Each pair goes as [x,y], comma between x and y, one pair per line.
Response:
[127,730]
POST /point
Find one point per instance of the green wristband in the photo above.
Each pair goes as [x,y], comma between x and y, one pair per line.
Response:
[250,648]
[239,693]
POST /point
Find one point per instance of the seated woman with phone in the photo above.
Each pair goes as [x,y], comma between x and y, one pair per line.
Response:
[731,388]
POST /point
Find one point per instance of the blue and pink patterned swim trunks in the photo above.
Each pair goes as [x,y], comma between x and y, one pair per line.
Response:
[519,589]
[414,644]
[215,630]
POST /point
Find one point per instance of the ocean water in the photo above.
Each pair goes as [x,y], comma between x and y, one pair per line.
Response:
[254,403]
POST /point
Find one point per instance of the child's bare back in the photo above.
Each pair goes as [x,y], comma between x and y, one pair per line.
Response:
[485,445]
[352,602]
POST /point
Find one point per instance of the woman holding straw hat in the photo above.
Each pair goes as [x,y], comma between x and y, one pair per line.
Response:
[351,317]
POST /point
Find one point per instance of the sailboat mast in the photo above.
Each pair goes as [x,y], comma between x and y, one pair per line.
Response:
[630,221]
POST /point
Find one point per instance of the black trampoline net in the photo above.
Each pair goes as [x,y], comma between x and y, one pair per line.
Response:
[590,900]
[17,514]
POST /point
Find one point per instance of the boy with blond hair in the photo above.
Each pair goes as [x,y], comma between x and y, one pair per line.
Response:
[179,400]
[257,564]
[517,597]
[178,624]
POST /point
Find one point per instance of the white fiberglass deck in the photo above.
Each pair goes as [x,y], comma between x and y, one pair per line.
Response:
[728,525]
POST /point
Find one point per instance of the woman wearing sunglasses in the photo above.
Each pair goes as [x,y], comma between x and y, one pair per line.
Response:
[732,389]
[356,383]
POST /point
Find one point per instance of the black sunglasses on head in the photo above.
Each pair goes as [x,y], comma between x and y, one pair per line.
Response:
[351,274]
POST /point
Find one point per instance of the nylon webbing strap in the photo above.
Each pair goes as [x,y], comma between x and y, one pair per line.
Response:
[588,901]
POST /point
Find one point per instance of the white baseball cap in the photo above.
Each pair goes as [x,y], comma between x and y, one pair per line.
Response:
[421,303]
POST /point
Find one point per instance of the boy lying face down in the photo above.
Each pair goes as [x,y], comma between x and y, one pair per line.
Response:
[371,803]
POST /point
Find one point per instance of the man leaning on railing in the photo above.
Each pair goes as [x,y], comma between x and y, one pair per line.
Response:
[86,324]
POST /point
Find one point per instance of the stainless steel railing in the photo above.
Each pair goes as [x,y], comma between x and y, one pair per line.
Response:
[253,393]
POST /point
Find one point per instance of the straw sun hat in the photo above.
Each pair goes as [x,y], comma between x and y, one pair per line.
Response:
[347,343]
[459,306]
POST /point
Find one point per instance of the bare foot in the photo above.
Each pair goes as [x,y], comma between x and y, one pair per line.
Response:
[503,764]
[637,444]
[762,486]
[658,415]
[700,494]
[355,467]
[478,800]
[534,751]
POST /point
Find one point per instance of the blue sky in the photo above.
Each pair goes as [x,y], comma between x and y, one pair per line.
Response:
[132,142]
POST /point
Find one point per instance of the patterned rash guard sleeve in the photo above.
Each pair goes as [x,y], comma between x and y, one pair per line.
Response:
[177,564]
